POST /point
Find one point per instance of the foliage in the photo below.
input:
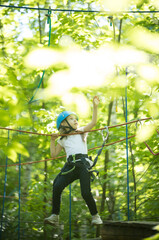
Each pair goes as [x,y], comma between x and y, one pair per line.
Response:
[98,52]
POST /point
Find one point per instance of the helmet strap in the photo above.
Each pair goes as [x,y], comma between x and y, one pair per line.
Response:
[70,128]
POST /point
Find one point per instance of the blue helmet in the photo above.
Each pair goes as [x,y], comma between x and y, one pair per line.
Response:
[62,116]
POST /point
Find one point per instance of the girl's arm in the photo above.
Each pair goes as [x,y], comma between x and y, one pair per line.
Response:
[55,150]
[90,125]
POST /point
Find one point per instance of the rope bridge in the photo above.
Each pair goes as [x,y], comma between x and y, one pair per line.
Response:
[58,135]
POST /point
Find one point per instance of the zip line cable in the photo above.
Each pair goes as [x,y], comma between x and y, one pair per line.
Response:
[78,11]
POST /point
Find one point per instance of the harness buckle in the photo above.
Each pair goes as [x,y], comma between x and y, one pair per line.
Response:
[102,133]
[74,158]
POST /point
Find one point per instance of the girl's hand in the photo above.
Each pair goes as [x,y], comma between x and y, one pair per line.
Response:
[96,101]
[54,136]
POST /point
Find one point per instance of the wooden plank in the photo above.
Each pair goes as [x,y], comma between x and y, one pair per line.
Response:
[127,230]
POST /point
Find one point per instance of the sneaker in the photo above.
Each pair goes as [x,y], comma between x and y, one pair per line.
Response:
[52,220]
[96,220]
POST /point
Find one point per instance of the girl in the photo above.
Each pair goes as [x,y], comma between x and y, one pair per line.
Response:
[77,163]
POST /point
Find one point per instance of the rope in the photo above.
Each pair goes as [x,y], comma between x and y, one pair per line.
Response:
[49,159]
[48,22]
[10,197]
[58,135]
[4,193]
[78,11]
[31,100]
[148,147]
[70,212]
[127,151]
[100,150]
[155,154]
[19,200]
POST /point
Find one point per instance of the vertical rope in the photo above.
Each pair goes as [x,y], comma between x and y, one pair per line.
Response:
[127,153]
[19,202]
[70,212]
[4,193]
[48,22]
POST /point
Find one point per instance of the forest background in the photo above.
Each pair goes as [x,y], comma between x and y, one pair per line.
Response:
[108,54]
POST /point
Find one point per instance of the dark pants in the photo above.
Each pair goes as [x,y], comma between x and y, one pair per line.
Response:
[61,181]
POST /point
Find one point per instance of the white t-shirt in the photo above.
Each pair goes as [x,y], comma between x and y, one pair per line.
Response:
[75,144]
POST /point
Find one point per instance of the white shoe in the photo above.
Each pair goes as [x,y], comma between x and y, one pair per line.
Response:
[96,220]
[52,220]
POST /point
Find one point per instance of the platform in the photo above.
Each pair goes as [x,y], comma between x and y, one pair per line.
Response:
[128,230]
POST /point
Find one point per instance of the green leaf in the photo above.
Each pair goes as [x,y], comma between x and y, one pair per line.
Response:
[12,154]
[20,149]
[14,148]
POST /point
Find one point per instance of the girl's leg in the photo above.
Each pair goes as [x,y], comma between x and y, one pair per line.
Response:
[86,190]
[60,182]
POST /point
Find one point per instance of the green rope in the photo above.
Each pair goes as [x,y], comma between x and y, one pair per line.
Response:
[48,22]
[31,100]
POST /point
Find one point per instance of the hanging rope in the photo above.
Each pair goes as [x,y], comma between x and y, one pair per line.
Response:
[70,217]
[19,201]
[100,150]
[4,193]
[41,80]
[127,153]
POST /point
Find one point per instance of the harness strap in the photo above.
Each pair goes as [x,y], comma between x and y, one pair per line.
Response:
[71,170]
[73,158]
[92,173]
